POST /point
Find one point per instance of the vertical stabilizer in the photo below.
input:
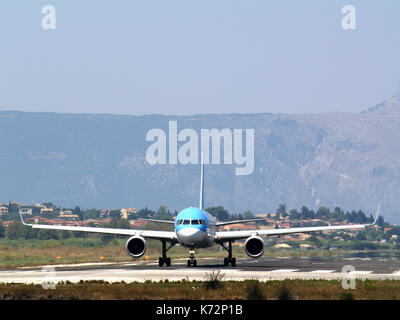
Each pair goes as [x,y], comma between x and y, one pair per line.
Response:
[202,184]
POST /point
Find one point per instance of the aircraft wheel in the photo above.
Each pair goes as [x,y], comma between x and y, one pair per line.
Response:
[160,262]
[189,263]
[194,263]
[226,262]
[168,262]
[233,262]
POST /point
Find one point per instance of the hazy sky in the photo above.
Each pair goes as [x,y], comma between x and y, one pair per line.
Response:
[204,56]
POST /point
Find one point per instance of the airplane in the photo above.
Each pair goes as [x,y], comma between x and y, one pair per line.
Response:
[195,228]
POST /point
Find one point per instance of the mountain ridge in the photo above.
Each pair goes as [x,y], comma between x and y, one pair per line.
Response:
[340,159]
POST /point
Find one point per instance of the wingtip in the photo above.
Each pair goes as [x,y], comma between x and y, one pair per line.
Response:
[377,214]
[20,215]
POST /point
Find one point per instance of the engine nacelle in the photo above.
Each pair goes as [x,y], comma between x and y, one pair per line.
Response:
[136,246]
[254,246]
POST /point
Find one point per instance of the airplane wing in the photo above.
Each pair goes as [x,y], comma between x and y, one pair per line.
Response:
[160,221]
[218,224]
[237,235]
[150,234]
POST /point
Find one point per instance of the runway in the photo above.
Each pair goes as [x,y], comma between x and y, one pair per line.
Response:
[263,269]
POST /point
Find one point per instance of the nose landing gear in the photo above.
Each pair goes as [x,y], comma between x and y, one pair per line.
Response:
[192,261]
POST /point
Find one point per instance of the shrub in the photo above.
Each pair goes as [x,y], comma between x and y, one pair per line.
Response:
[346,296]
[283,292]
[254,290]
[213,280]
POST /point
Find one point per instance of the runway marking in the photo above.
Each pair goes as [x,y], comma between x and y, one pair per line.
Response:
[285,270]
[359,272]
[230,270]
[69,265]
[115,275]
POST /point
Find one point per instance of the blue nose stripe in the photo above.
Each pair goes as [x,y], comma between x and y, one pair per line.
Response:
[183,226]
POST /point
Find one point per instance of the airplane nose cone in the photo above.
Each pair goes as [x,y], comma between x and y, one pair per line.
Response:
[191,236]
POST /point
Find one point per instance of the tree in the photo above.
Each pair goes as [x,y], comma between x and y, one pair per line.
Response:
[117,224]
[123,224]
[16,230]
[281,211]
[323,212]
[380,221]
[219,212]
[145,213]
[35,211]
[2,231]
[91,214]
[163,214]
[64,234]
[115,214]
[338,214]
[31,233]
[79,234]
[248,215]
[78,212]
[305,213]
[294,214]
[315,240]
[371,218]
[46,234]
[114,223]
[49,204]
[361,236]
[13,207]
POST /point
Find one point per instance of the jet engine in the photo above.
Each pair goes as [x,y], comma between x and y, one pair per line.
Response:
[254,246]
[136,246]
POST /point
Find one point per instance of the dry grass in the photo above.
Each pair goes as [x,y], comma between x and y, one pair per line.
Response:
[10,258]
[196,290]
[46,252]
[19,253]
[51,252]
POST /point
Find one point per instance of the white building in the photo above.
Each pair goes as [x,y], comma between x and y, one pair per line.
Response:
[26,211]
[3,210]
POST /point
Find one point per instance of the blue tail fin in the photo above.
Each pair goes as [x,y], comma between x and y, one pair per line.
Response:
[202,184]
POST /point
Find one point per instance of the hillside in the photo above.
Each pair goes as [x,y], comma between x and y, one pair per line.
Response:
[331,159]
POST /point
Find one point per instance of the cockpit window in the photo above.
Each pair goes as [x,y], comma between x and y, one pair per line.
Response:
[193,222]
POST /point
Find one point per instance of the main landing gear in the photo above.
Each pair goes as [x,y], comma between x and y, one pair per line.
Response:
[164,258]
[229,260]
[192,261]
